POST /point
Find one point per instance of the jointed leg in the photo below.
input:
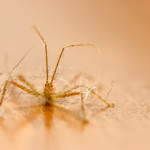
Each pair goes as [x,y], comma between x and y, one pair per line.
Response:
[60,56]
[19,86]
[24,88]
[3,92]
[49,85]
[45,52]
[23,80]
[93,92]
[63,95]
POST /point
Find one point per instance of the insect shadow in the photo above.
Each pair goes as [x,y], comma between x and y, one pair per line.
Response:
[49,106]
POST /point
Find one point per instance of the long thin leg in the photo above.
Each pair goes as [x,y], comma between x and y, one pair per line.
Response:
[76,77]
[82,100]
[6,83]
[77,45]
[103,109]
[93,92]
[19,86]
[72,89]
[20,61]
[63,95]
[23,80]
[35,28]
[3,92]
[25,89]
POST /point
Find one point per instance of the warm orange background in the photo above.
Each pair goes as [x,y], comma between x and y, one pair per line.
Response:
[120,29]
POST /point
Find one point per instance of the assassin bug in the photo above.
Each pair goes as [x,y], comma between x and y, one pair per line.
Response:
[49,96]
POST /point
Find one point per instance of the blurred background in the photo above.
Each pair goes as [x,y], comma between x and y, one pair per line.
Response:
[119,29]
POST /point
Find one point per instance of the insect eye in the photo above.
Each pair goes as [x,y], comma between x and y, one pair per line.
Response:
[50,86]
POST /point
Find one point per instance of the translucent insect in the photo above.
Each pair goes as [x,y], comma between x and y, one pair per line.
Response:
[49,96]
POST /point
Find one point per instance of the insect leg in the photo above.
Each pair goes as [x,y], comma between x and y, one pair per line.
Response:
[24,88]
[19,86]
[93,92]
[23,80]
[47,73]
[3,92]
[60,56]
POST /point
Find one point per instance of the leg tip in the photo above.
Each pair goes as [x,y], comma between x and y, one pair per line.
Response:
[112,105]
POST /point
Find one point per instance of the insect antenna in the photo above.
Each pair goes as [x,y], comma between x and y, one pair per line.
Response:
[20,61]
[5,84]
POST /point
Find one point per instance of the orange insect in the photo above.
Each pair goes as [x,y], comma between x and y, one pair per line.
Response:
[48,95]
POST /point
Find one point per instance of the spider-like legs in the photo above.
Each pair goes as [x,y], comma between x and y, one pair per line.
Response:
[48,95]
[60,56]
[33,92]
[93,92]
[30,91]
[3,92]
[29,85]
[46,53]
[48,84]
[89,77]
